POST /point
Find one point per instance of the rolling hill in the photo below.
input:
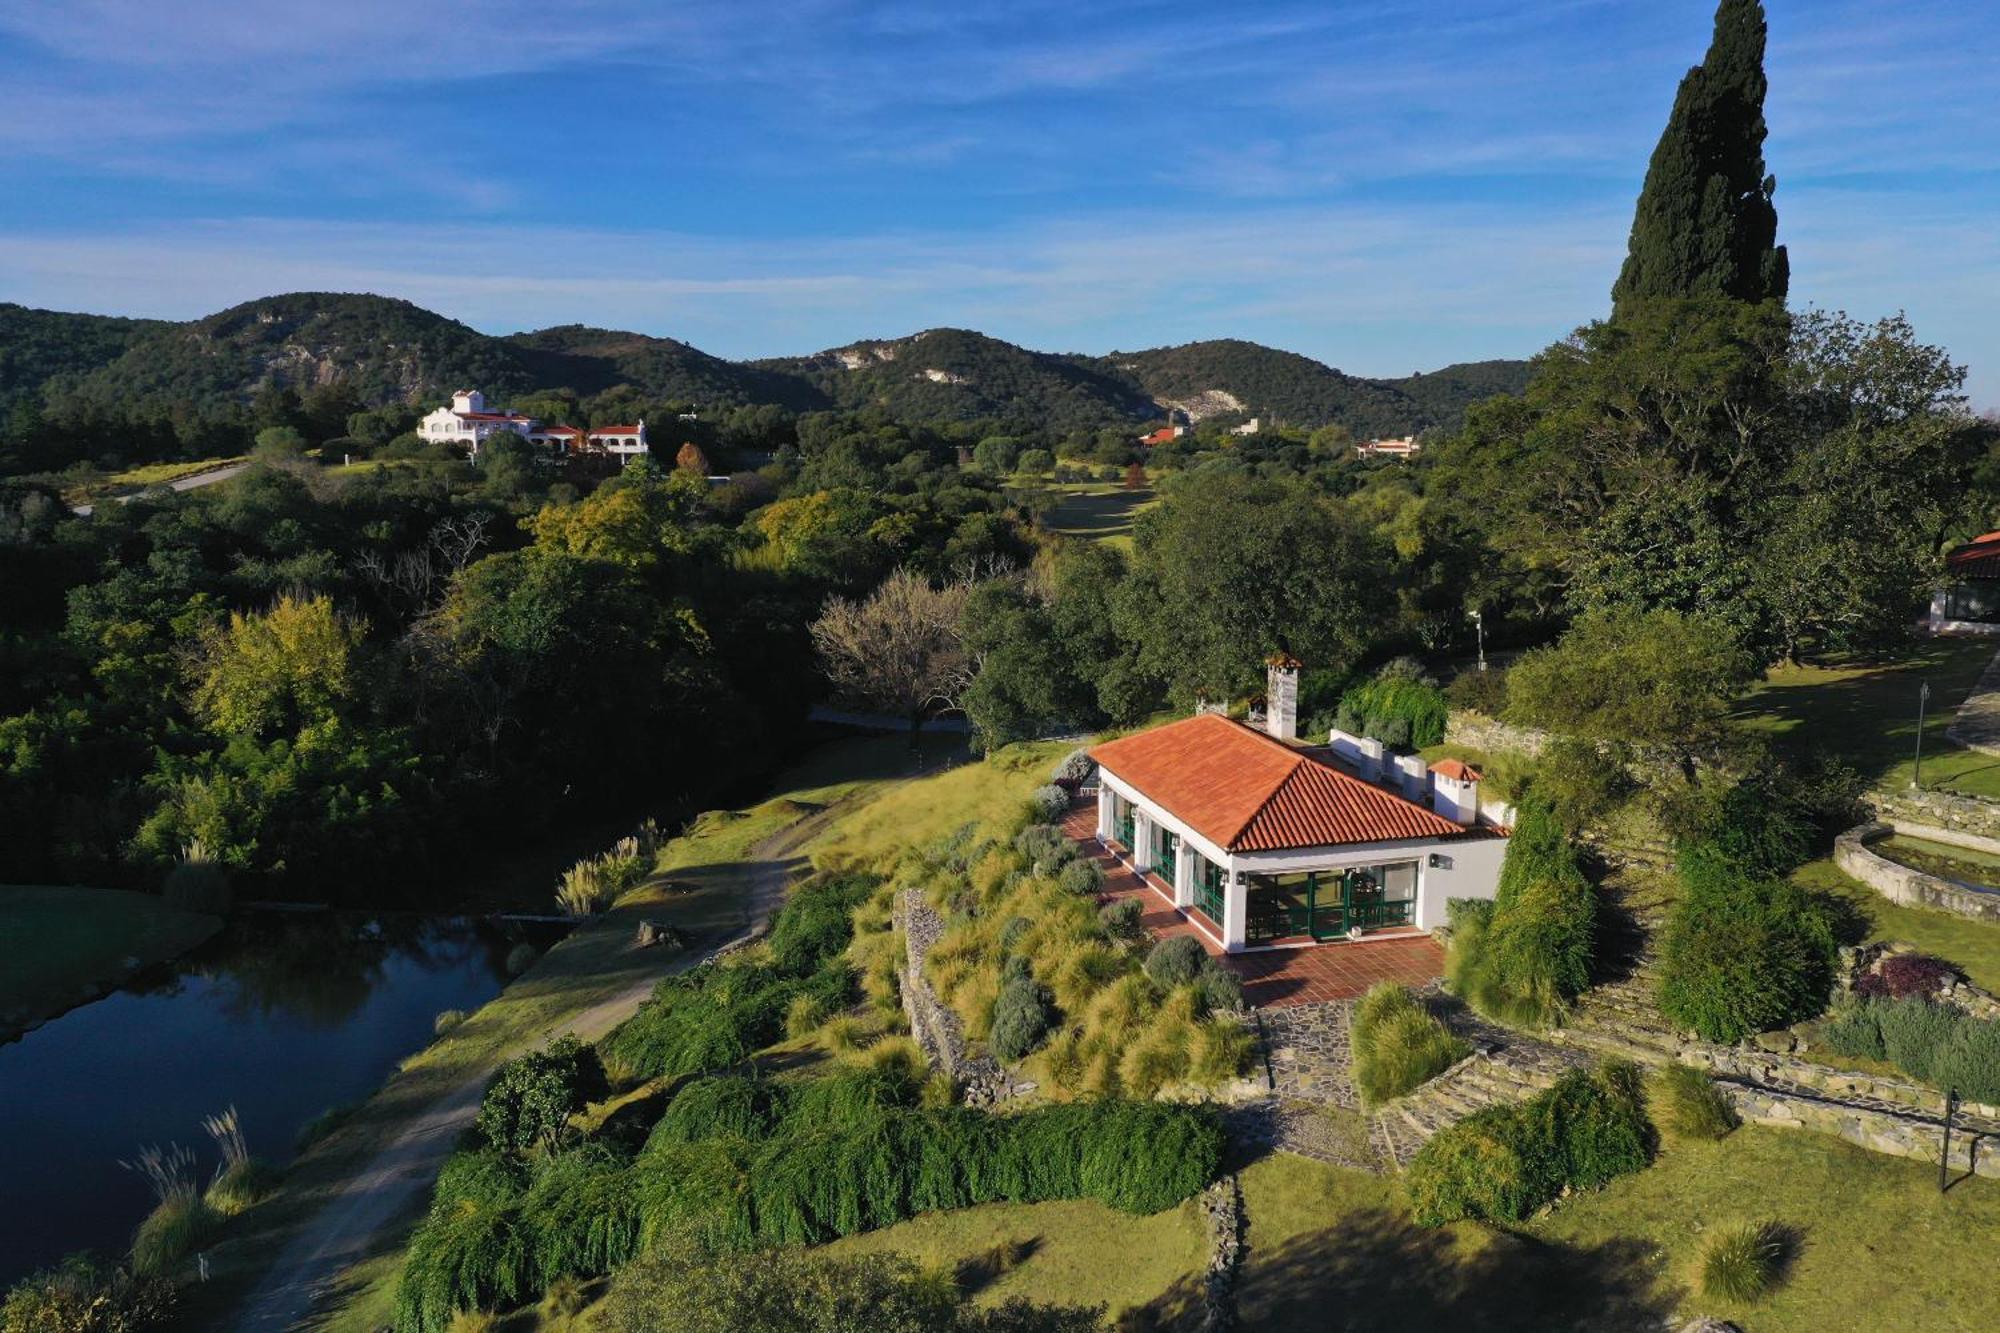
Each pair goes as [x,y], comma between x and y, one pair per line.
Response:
[387,349]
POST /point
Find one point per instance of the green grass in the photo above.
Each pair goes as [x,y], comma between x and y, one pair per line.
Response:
[1865,711]
[1101,510]
[65,945]
[1973,945]
[1144,1269]
[1334,1249]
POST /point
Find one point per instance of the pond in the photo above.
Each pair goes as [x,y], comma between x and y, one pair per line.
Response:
[281,1015]
[1962,865]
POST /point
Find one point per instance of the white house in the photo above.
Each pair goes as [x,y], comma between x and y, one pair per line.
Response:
[1265,843]
[470,421]
[1405,446]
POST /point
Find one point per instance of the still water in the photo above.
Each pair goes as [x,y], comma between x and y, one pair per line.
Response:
[280,1015]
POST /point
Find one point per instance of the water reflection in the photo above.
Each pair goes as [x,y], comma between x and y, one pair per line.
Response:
[281,1015]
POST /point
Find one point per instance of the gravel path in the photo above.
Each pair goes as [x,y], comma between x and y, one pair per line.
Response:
[190,483]
[391,1182]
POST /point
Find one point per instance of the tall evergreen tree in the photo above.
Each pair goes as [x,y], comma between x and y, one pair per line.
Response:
[1705,224]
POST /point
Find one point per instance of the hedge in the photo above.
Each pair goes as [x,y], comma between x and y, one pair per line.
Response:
[1505,1162]
[1524,958]
[746,1165]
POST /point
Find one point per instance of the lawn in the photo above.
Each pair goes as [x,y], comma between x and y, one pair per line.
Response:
[1973,945]
[909,814]
[140,478]
[1145,1270]
[1335,1249]
[1101,510]
[67,945]
[1865,711]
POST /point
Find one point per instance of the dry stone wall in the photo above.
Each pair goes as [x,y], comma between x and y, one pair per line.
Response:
[937,1029]
[1938,810]
[1479,732]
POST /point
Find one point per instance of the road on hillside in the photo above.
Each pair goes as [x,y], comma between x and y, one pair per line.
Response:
[388,1185]
[188,483]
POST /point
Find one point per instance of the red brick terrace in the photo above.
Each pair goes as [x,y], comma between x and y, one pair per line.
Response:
[1272,978]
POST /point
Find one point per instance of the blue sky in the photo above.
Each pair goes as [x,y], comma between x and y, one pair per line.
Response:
[1386,186]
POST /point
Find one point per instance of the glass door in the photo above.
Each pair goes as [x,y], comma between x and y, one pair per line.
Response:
[1166,856]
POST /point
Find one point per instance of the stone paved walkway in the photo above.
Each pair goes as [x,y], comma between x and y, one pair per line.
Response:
[1977,726]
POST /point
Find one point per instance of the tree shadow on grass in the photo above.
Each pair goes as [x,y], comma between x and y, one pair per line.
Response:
[1374,1270]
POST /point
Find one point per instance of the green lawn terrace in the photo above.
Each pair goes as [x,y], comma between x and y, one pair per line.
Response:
[1863,710]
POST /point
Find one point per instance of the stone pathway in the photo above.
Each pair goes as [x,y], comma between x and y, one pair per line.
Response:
[1977,726]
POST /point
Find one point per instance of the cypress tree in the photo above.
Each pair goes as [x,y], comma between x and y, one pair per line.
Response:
[1705,224]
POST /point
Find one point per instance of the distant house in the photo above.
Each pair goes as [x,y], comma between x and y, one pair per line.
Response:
[1250,427]
[1969,601]
[1405,446]
[470,421]
[1262,842]
[1164,435]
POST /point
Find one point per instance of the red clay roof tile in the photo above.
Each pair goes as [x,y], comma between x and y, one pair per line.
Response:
[1249,793]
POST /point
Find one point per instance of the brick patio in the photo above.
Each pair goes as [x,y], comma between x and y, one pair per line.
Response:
[1272,978]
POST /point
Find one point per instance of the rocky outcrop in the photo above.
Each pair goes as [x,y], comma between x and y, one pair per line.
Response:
[936,1028]
[1900,884]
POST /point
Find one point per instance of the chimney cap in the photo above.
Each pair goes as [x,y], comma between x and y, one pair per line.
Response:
[1456,770]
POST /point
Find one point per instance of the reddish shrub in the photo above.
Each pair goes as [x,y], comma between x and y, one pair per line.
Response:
[1904,974]
[1870,986]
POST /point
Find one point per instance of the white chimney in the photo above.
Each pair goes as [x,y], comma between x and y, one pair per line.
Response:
[1455,791]
[1281,697]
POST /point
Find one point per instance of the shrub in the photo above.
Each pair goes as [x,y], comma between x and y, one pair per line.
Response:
[1397,1044]
[1175,961]
[1852,1030]
[446,1020]
[1580,782]
[1081,877]
[1906,974]
[1741,1262]
[1219,988]
[1044,842]
[1121,918]
[82,1295]
[1743,955]
[1021,1018]
[1694,1106]
[531,1098]
[198,882]
[1914,1032]
[1505,1162]
[817,922]
[171,1232]
[1969,1064]
[1468,913]
[1479,691]
[521,957]
[1525,957]
[581,1216]
[1047,803]
[1398,708]
[1012,933]
[1073,767]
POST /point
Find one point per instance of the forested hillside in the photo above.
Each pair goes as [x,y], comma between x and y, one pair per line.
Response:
[109,391]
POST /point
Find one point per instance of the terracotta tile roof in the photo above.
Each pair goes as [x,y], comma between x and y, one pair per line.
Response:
[1977,559]
[614,430]
[1457,770]
[1249,793]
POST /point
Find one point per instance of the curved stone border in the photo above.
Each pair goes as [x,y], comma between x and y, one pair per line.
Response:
[1902,885]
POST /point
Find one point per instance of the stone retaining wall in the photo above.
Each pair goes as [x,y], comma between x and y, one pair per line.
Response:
[1479,732]
[1876,1129]
[937,1029]
[1937,810]
[1900,884]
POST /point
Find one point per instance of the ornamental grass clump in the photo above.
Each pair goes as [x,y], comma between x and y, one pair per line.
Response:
[1397,1044]
[181,1219]
[241,1181]
[1691,1105]
[1742,1262]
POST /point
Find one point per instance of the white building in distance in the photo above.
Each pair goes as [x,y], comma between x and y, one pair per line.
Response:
[470,421]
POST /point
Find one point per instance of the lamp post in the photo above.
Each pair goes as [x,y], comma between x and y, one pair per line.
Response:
[1479,625]
[1917,774]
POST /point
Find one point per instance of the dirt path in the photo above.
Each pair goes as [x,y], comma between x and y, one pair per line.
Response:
[391,1183]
